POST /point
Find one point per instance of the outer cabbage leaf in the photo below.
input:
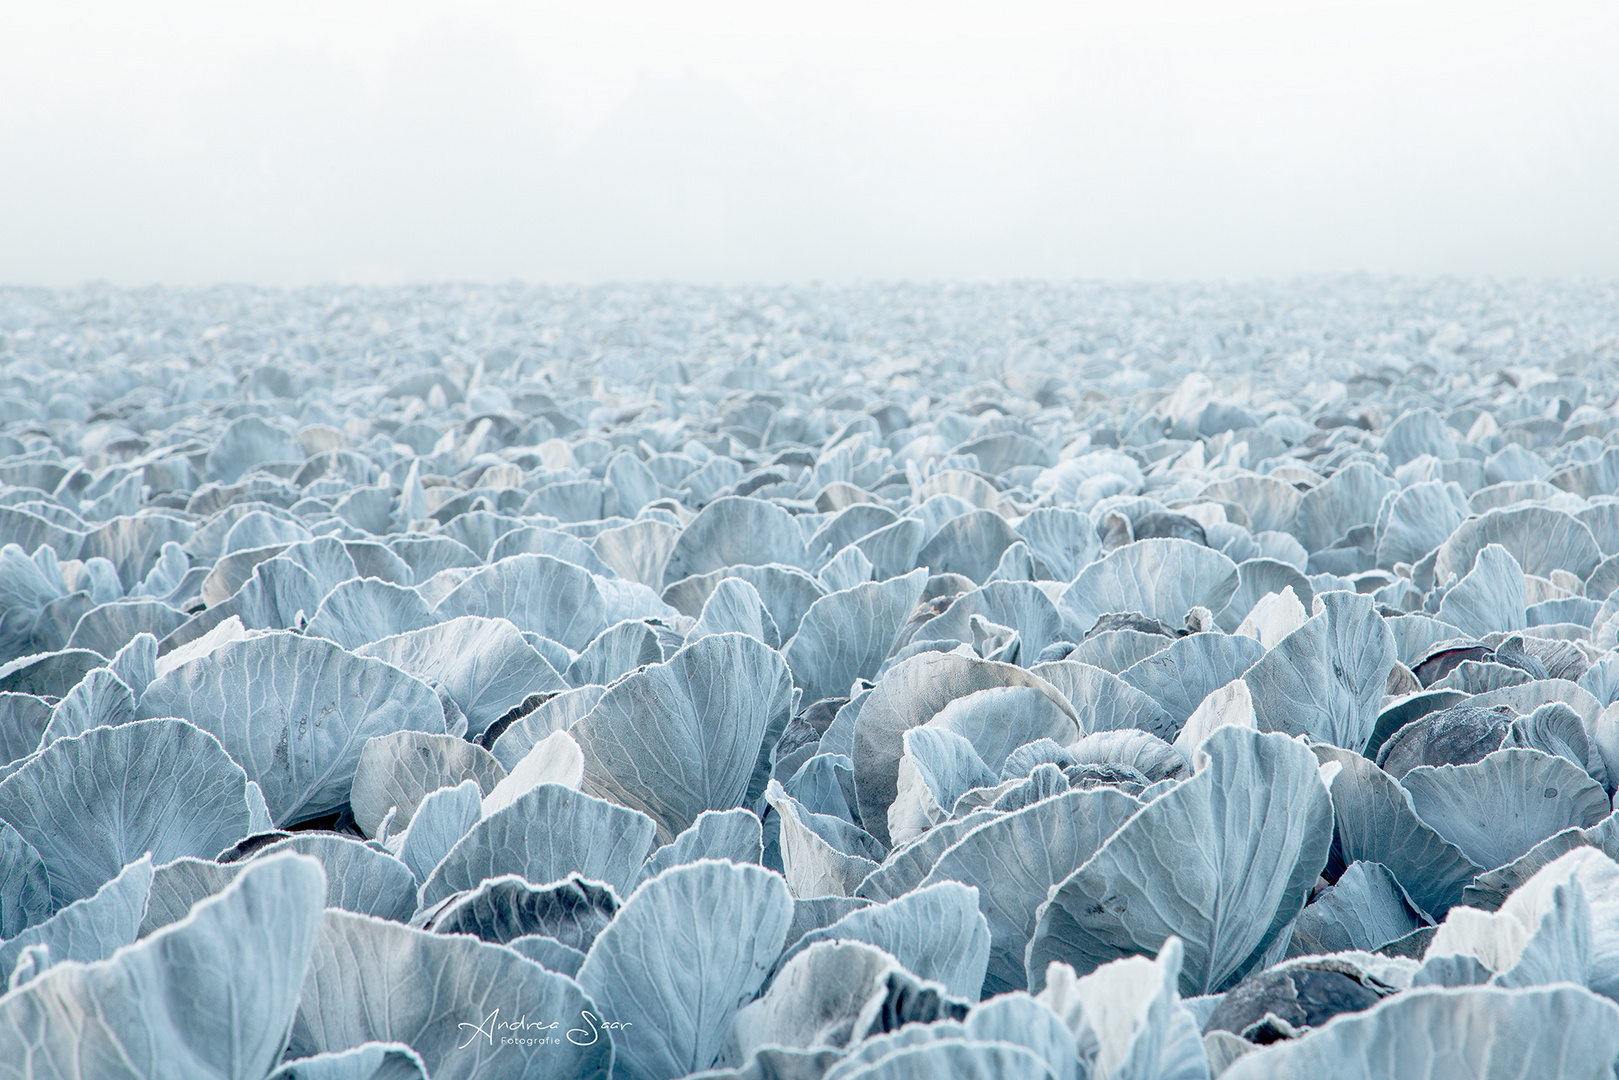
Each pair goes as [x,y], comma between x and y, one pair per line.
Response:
[1350,497]
[1191,669]
[1496,809]
[936,931]
[362,610]
[1540,538]
[161,786]
[1160,578]
[716,834]
[399,770]
[834,994]
[368,1061]
[687,950]
[443,818]
[92,928]
[736,606]
[295,712]
[208,998]
[1223,860]
[25,887]
[616,651]
[693,734]
[846,635]
[538,593]
[546,835]
[1021,605]
[358,876]
[1489,597]
[787,592]
[484,665]
[908,696]
[1326,679]
[1104,701]
[1015,859]
[1129,1014]
[1475,1033]
[1364,909]
[734,531]
[369,980]
[1374,823]
[570,912]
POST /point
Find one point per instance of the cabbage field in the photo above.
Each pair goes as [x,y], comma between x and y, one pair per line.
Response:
[1081,682]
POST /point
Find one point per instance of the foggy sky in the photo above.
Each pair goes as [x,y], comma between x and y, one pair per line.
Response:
[302,142]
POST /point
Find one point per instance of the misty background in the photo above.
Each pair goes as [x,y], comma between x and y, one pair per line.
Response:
[371,142]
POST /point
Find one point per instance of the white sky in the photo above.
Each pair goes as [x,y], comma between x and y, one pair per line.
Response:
[290,142]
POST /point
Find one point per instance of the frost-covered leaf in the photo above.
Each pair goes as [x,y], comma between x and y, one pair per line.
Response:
[1160,578]
[555,759]
[1539,538]
[92,928]
[1224,861]
[734,531]
[1104,701]
[970,545]
[25,888]
[1133,1015]
[397,771]
[786,591]
[538,593]
[362,610]
[161,786]
[1020,605]
[295,712]
[716,834]
[484,665]
[442,819]
[822,855]
[1260,581]
[358,876]
[368,1061]
[836,993]
[909,695]
[1420,518]
[616,651]
[846,635]
[1565,1033]
[1015,859]
[99,700]
[677,993]
[207,998]
[938,767]
[693,734]
[736,607]
[1496,809]
[1000,719]
[1349,498]
[502,909]
[936,931]
[1489,597]
[1065,540]
[549,953]
[1364,909]
[444,996]
[638,551]
[1375,823]
[546,835]
[177,886]
[1326,679]
[1191,669]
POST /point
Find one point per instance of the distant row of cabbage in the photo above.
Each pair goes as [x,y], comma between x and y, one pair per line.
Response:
[1073,682]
